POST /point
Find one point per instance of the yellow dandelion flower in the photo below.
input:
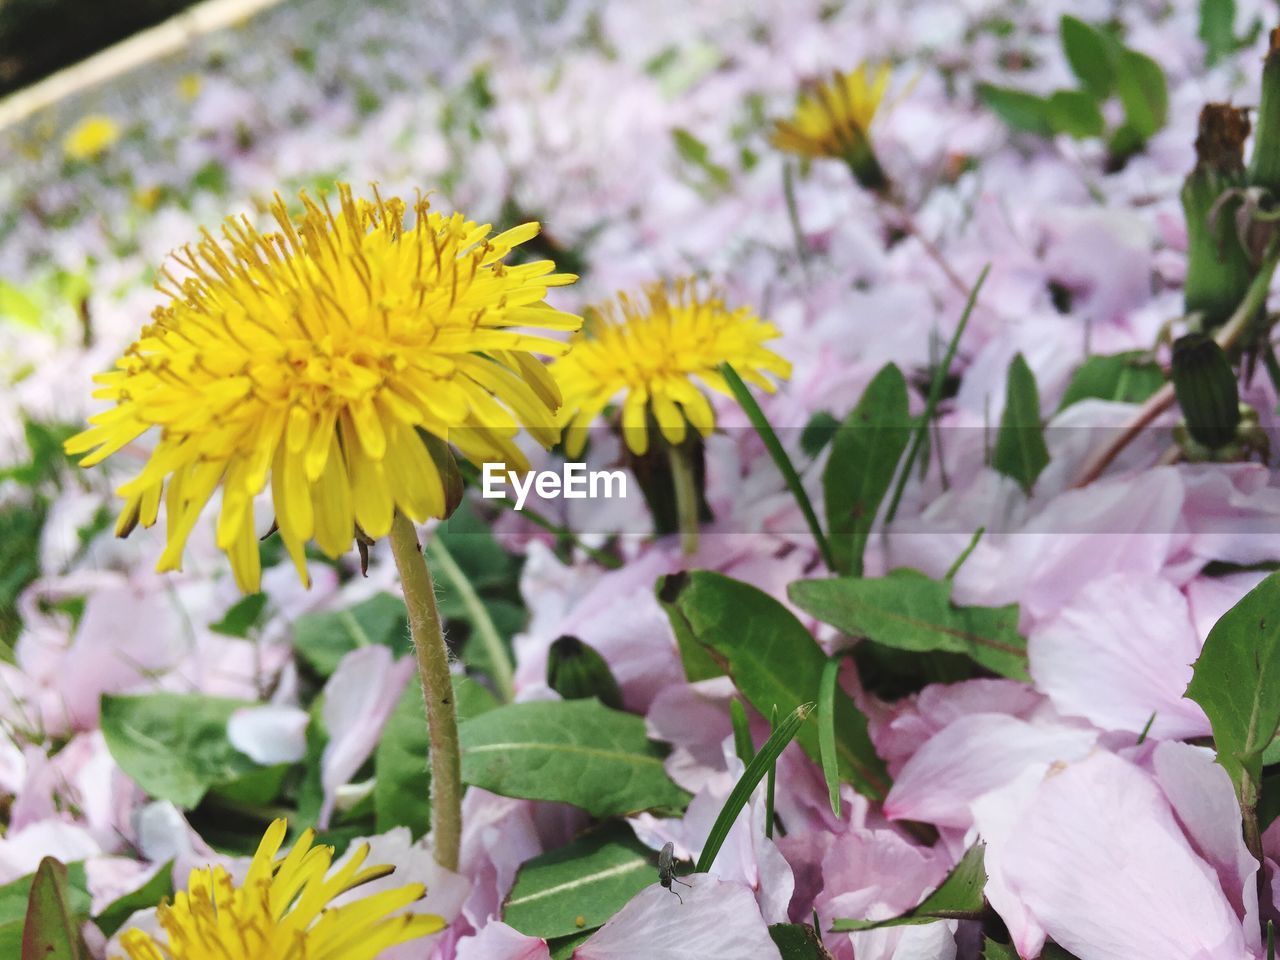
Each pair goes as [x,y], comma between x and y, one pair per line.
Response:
[336,357]
[189,86]
[834,120]
[659,350]
[91,137]
[282,910]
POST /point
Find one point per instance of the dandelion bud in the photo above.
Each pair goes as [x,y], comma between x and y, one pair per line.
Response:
[1218,267]
[1207,390]
[577,672]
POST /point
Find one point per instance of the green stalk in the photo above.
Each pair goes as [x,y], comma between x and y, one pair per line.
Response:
[1264,168]
[935,396]
[686,484]
[437,689]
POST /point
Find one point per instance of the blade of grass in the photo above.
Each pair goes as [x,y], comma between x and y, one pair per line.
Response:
[964,554]
[749,780]
[827,729]
[485,630]
[793,214]
[742,745]
[935,395]
[771,780]
[780,458]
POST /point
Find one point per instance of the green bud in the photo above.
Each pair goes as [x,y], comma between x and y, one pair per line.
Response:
[1218,267]
[1207,390]
[1264,168]
[577,672]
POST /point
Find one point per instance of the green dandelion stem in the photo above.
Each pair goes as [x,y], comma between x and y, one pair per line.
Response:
[686,484]
[437,690]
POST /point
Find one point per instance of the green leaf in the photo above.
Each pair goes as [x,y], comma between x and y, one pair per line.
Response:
[242,617]
[818,432]
[51,931]
[323,639]
[992,950]
[864,457]
[1237,682]
[773,660]
[798,941]
[173,745]
[743,745]
[695,152]
[1019,110]
[589,881]
[780,459]
[114,915]
[310,789]
[1141,85]
[827,729]
[907,610]
[258,788]
[576,751]
[211,177]
[17,305]
[698,661]
[958,897]
[1020,448]
[771,780]
[14,897]
[562,948]
[750,779]
[1091,55]
[402,783]
[1217,29]
[1129,377]
[1076,114]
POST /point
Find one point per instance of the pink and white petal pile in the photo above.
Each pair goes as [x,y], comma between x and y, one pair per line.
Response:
[1105,830]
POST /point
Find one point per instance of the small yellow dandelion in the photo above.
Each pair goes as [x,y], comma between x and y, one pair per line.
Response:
[91,137]
[658,351]
[189,86]
[336,356]
[148,198]
[834,120]
[282,910]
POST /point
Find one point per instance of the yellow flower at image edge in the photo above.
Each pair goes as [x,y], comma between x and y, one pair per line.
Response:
[282,911]
[90,137]
[657,351]
[327,356]
[834,119]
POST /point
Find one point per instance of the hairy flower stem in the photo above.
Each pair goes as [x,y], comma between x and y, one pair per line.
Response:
[686,485]
[437,690]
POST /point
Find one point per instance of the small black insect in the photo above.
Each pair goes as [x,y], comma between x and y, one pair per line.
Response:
[667,870]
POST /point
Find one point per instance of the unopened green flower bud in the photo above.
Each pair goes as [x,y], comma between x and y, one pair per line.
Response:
[1264,167]
[1218,267]
[1207,390]
[577,672]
